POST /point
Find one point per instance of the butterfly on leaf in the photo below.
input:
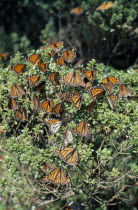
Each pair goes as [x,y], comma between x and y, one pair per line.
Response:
[112,100]
[69,155]
[105,6]
[82,128]
[47,106]
[74,98]
[4,55]
[96,92]
[60,61]
[91,106]
[57,177]
[77,11]
[57,109]
[56,46]
[34,59]
[52,53]
[21,115]
[68,137]
[19,68]
[53,77]
[108,88]
[12,104]
[44,66]
[34,79]
[68,56]
[16,91]
[124,91]
[112,80]
[35,101]
[53,125]
[90,75]
[72,79]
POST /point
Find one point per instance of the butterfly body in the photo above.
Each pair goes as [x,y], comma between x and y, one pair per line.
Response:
[69,155]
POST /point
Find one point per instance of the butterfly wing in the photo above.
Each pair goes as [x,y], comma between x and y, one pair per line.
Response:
[60,62]
[112,80]
[57,176]
[68,137]
[112,100]
[16,91]
[74,98]
[124,91]
[56,46]
[108,88]
[77,11]
[90,75]
[68,56]
[57,109]
[44,66]
[91,106]
[36,102]
[34,79]
[82,129]
[69,155]
[34,59]
[53,77]
[21,115]
[105,6]
[12,104]
[96,92]
[47,106]
[19,68]
[72,79]
[53,125]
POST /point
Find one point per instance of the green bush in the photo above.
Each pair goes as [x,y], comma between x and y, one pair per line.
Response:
[107,169]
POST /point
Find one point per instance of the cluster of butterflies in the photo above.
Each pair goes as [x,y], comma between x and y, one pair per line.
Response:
[78,78]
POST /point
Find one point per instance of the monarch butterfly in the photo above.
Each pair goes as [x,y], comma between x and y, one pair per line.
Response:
[19,68]
[91,106]
[40,86]
[52,53]
[105,6]
[21,115]
[36,102]
[57,176]
[68,137]
[112,80]
[53,125]
[53,77]
[12,104]
[72,79]
[44,66]
[34,79]
[60,62]
[90,75]
[108,88]
[1,129]
[57,109]
[47,106]
[96,92]
[77,11]
[74,98]
[112,99]
[68,56]
[82,129]
[56,46]
[34,59]
[4,55]
[69,155]
[124,91]
[16,91]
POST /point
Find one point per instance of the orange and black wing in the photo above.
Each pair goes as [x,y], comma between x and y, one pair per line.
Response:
[19,68]
[34,59]
[112,80]
[74,98]
[56,46]
[21,115]
[4,55]
[91,106]
[82,129]
[77,11]
[57,109]
[12,104]
[36,102]
[72,79]
[69,155]
[53,77]
[112,100]
[96,92]
[124,91]
[53,125]
[68,56]
[105,6]
[44,66]
[16,91]
[47,106]
[57,176]
[34,79]
[90,75]
[60,61]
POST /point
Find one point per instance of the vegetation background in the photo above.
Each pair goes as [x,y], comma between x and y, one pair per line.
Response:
[109,159]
